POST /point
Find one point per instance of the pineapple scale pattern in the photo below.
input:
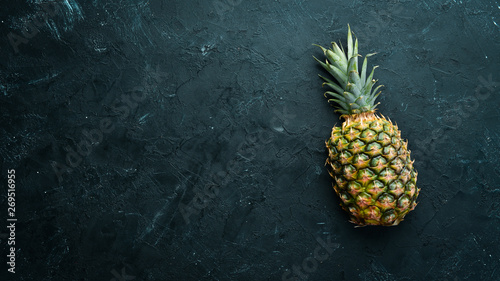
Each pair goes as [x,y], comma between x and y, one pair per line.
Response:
[373,173]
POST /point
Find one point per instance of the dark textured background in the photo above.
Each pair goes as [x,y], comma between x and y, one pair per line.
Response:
[215,170]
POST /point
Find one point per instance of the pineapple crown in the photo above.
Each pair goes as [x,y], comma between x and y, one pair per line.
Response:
[353,92]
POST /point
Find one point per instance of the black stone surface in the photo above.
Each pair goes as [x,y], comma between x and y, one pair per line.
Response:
[184,140]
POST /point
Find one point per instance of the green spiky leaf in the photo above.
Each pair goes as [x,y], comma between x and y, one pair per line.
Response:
[352,89]
[365,63]
[335,87]
[339,52]
[330,95]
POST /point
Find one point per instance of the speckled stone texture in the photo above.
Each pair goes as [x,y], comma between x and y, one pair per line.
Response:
[184,140]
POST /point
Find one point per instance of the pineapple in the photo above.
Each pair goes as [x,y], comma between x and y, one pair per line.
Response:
[369,162]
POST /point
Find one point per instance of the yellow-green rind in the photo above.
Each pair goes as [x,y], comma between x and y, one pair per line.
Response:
[374,174]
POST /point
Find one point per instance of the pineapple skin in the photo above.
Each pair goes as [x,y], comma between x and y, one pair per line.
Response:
[372,170]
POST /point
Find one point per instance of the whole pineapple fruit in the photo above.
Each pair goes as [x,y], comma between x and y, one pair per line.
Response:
[370,163]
